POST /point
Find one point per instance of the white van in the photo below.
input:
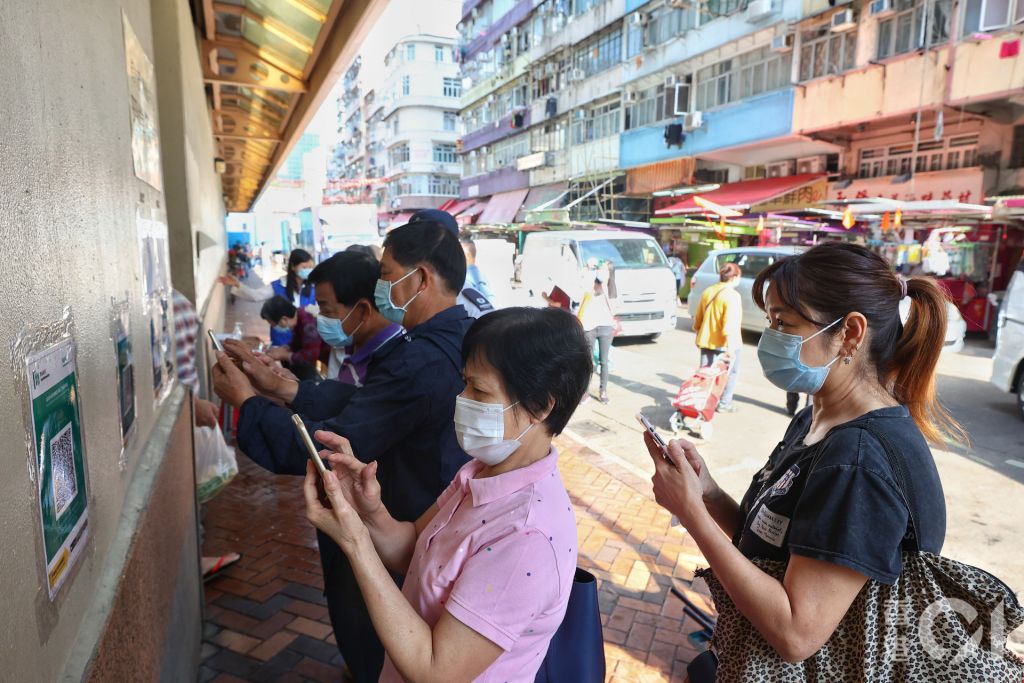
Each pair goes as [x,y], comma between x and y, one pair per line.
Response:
[646,302]
[1008,363]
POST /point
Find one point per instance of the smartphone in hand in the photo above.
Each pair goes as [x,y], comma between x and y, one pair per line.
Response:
[300,427]
[654,432]
[664,448]
[216,342]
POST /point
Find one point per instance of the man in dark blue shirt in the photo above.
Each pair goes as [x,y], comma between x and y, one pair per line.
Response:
[402,417]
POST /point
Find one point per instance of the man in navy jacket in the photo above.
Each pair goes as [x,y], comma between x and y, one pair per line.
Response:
[402,417]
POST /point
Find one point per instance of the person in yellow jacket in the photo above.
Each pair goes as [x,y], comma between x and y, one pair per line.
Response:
[717,323]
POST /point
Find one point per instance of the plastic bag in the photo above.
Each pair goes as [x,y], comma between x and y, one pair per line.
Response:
[215,463]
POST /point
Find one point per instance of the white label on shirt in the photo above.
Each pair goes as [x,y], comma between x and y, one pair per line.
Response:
[770,526]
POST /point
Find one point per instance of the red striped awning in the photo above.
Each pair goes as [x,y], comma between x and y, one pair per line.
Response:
[503,207]
[740,196]
[460,205]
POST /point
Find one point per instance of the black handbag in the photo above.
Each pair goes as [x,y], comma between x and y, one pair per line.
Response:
[576,651]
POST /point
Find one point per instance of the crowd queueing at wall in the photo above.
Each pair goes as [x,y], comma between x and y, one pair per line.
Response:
[448,540]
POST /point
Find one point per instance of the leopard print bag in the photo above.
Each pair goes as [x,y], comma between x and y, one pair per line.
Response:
[942,620]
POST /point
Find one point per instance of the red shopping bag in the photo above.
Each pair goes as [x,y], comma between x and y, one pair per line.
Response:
[699,395]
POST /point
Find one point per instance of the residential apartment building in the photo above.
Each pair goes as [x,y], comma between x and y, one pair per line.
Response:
[398,133]
[581,109]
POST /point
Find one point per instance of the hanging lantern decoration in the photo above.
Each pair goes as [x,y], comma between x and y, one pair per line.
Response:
[848,221]
[885,222]
[898,219]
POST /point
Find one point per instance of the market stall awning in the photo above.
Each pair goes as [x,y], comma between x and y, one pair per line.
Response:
[468,215]
[934,207]
[503,206]
[543,197]
[745,195]
[458,206]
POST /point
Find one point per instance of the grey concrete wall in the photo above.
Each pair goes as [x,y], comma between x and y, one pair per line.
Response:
[68,237]
[195,209]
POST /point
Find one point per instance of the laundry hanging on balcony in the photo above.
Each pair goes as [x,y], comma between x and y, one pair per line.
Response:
[551,108]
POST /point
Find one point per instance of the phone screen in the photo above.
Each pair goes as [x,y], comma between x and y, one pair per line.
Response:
[313,455]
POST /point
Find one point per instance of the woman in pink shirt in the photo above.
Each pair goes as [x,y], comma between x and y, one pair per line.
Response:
[489,566]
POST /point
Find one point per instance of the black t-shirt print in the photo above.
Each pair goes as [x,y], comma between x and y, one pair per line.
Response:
[838,500]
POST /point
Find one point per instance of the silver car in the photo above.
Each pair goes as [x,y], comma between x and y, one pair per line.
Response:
[751,260]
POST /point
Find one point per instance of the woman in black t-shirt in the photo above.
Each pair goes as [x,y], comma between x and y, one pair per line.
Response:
[826,502]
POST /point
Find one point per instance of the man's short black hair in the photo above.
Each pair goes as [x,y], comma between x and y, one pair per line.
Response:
[351,274]
[276,308]
[365,249]
[429,243]
[541,356]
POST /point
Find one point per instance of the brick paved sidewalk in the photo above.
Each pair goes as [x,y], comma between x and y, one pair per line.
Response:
[266,619]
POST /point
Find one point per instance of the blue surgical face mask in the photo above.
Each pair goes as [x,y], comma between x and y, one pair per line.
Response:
[386,306]
[304,273]
[332,330]
[779,354]
[282,328]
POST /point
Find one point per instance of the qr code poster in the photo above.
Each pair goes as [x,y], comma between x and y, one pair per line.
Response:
[60,457]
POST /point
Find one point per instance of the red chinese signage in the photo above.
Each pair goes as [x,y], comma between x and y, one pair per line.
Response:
[966,186]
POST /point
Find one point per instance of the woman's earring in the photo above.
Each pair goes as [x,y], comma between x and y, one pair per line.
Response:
[847,360]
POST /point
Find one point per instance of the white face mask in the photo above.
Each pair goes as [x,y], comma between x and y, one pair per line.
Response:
[480,429]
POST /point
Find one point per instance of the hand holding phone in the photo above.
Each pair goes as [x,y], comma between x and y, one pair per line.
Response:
[664,448]
[300,427]
[216,342]
[654,433]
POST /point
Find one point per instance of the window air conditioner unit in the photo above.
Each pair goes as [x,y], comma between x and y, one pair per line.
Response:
[504,39]
[780,169]
[882,8]
[783,43]
[671,80]
[577,75]
[680,4]
[638,18]
[843,21]
[631,96]
[693,120]
[810,165]
[759,9]
[475,13]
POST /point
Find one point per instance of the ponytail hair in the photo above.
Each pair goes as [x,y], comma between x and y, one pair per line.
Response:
[911,377]
[835,279]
